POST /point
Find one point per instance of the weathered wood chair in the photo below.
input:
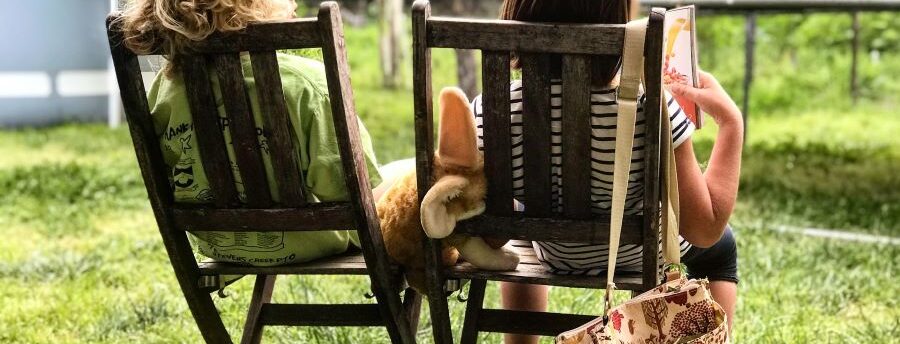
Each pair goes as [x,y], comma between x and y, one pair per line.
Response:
[497,39]
[221,53]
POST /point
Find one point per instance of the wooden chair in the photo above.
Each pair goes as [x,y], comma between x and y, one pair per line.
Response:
[497,39]
[221,52]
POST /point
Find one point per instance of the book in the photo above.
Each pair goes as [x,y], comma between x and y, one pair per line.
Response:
[680,56]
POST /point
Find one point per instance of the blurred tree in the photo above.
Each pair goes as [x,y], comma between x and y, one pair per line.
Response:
[392,43]
[465,59]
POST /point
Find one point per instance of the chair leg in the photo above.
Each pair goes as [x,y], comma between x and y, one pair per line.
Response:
[188,274]
[437,300]
[262,294]
[440,317]
[412,307]
[473,310]
[209,322]
[392,310]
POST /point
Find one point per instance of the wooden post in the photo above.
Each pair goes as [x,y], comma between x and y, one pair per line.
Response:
[114,103]
[424,124]
[465,72]
[465,58]
[749,44]
[854,82]
[391,42]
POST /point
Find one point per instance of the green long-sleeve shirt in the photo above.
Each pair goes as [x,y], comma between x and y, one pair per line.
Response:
[306,95]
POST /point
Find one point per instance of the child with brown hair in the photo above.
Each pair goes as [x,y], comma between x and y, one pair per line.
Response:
[175,25]
[707,199]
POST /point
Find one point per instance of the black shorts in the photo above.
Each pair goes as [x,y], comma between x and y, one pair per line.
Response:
[716,263]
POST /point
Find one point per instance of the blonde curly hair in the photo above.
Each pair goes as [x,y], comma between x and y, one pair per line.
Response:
[174,25]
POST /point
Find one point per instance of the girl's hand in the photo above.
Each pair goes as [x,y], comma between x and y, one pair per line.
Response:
[711,98]
[707,198]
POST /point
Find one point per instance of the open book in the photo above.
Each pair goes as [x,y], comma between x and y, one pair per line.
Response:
[680,56]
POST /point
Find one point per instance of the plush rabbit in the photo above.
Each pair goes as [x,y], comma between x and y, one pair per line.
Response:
[457,194]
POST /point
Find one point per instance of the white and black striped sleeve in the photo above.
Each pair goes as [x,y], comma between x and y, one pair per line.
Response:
[682,127]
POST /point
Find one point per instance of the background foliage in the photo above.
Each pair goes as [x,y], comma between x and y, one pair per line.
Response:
[803,61]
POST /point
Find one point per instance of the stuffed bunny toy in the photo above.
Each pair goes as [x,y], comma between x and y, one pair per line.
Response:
[457,194]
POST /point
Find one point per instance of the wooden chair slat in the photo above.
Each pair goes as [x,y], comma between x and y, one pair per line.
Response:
[140,121]
[496,132]
[653,156]
[352,263]
[594,230]
[280,138]
[504,35]
[350,268]
[523,322]
[346,125]
[531,271]
[424,123]
[315,217]
[536,133]
[274,314]
[300,33]
[576,138]
[344,114]
[209,133]
[422,101]
[243,127]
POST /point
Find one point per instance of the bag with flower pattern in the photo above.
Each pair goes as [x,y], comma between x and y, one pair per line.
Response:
[680,310]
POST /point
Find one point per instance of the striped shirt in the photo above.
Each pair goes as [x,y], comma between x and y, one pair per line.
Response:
[579,258]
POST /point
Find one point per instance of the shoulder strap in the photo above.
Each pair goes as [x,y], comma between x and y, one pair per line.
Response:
[627,101]
[671,211]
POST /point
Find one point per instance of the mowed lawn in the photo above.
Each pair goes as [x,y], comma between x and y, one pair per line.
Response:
[81,260]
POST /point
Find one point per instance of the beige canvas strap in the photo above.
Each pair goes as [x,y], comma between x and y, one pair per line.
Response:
[627,101]
[670,212]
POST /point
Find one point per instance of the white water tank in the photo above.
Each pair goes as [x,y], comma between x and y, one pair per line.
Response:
[53,62]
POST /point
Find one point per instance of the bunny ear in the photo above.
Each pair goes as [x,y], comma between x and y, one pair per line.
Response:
[457,145]
[437,222]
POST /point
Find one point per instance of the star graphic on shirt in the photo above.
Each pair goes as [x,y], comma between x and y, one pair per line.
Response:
[186,143]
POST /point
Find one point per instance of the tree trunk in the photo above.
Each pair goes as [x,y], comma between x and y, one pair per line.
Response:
[465,72]
[392,43]
[465,59]
[854,66]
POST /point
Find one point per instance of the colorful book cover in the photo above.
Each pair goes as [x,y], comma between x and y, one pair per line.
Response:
[680,59]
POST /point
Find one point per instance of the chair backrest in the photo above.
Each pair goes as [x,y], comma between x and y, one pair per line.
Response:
[537,44]
[221,53]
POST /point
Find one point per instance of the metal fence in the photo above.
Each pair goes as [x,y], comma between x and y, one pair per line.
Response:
[54,62]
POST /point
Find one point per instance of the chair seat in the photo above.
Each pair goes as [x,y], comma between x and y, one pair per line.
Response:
[350,263]
[531,271]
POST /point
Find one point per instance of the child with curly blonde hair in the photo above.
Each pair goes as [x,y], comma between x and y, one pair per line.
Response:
[173,27]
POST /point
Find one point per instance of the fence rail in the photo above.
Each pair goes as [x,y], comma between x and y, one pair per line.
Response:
[793,6]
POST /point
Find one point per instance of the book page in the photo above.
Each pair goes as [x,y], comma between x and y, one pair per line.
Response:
[680,56]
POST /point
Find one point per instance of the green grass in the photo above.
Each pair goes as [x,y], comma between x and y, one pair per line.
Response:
[822,168]
[82,261]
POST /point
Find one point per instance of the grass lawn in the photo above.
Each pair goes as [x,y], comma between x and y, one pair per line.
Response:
[82,261]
